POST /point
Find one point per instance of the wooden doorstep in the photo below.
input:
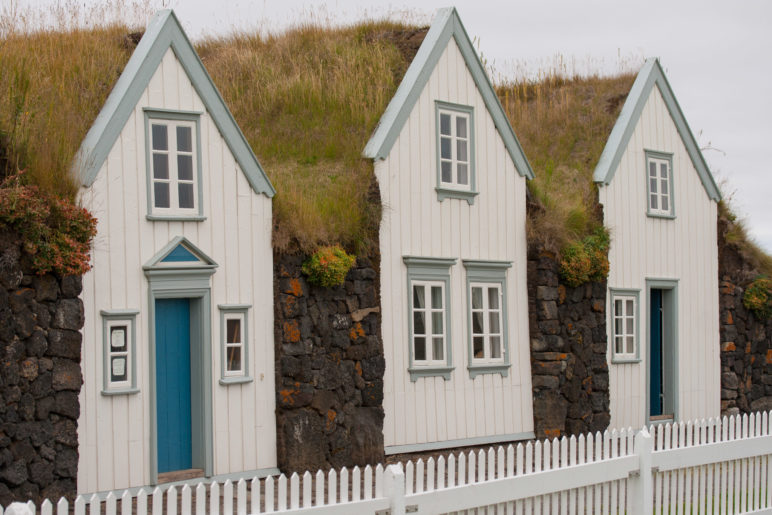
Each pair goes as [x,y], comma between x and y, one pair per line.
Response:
[180,475]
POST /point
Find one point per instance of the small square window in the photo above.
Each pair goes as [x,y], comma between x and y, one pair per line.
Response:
[659,184]
[624,325]
[118,328]
[234,344]
[455,152]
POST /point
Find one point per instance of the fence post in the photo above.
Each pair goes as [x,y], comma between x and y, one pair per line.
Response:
[18,508]
[394,488]
[641,487]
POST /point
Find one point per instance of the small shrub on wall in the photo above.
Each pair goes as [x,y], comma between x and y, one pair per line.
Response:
[586,260]
[758,298]
[328,266]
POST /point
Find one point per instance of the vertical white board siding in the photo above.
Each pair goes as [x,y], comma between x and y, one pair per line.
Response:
[685,249]
[493,228]
[114,431]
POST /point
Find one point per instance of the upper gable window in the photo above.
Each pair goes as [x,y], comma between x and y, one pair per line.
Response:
[173,165]
[455,151]
[659,184]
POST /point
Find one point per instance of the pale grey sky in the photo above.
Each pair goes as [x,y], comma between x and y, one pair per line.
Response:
[716,54]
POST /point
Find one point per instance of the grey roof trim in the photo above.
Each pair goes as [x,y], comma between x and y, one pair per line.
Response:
[163,31]
[446,24]
[650,75]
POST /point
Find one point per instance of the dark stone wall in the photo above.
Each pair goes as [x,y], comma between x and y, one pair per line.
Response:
[329,369]
[40,345]
[746,341]
[568,351]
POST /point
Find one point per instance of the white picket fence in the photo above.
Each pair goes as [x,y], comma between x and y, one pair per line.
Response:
[716,466]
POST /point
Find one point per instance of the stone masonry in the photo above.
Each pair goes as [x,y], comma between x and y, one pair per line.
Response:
[40,345]
[568,351]
[329,369]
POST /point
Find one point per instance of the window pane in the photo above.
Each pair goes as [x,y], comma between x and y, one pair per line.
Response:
[618,342]
[437,323]
[436,297]
[663,170]
[419,322]
[665,204]
[629,329]
[477,322]
[663,186]
[618,324]
[493,298]
[118,369]
[445,124]
[653,185]
[652,169]
[629,307]
[161,191]
[495,347]
[630,346]
[233,358]
[420,349]
[617,307]
[445,148]
[654,203]
[461,126]
[477,344]
[184,139]
[447,171]
[185,168]
[463,177]
[233,330]
[438,348]
[477,298]
[160,137]
[418,297]
[118,338]
[493,320]
[186,195]
[160,166]
[461,150]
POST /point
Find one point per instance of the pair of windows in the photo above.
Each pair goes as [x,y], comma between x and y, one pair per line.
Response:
[659,184]
[430,316]
[624,325]
[455,151]
[119,334]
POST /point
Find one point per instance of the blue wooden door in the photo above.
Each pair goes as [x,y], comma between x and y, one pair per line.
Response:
[172,338]
[655,344]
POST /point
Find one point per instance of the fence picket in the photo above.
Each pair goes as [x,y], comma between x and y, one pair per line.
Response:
[294,491]
[379,481]
[451,471]
[537,456]
[62,507]
[254,493]
[158,501]
[481,466]
[461,469]
[343,498]
[519,452]
[510,468]
[171,501]
[429,475]
[441,473]
[471,464]
[307,489]
[356,484]
[227,498]
[214,498]
[141,503]
[528,458]
[332,487]
[201,499]
[47,508]
[186,498]
[319,496]
[368,482]
[419,476]
[241,497]
[268,495]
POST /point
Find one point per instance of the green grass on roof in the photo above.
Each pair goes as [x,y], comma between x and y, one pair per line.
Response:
[307,101]
[563,124]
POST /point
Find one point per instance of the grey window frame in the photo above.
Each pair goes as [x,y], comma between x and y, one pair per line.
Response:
[490,272]
[109,318]
[660,156]
[172,116]
[243,310]
[443,191]
[436,270]
[625,292]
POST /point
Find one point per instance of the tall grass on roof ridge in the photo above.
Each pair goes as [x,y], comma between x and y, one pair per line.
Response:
[307,101]
[563,123]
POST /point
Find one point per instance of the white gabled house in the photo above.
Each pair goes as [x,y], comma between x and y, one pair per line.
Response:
[660,205]
[452,180]
[178,359]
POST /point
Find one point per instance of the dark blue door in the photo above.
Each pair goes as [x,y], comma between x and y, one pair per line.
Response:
[655,366]
[172,360]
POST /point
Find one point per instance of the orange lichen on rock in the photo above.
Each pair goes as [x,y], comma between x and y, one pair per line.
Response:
[291,331]
[356,332]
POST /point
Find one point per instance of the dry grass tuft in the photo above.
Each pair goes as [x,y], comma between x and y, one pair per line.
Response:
[736,235]
[563,124]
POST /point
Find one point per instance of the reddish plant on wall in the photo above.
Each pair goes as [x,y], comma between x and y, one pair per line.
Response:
[56,233]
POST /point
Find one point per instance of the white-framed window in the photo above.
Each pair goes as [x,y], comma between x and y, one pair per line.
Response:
[429,339]
[234,343]
[624,325]
[487,316]
[173,165]
[119,351]
[659,183]
[455,151]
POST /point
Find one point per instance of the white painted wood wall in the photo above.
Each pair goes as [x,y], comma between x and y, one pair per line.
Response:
[415,223]
[685,249]
[114,432]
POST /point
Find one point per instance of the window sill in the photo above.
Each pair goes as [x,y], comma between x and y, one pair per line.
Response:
[490,368]
[660,215]
[418,372]
[124,391]
[625,361]
[443,193]
[227,381]
[175,218]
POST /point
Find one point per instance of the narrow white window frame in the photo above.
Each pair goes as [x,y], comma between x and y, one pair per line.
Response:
[491,338]
[659,184]
[172,155]
[428,273]
[455,151]
[119,351]
[433,355]
[487,275]
[240,313]
[624,330]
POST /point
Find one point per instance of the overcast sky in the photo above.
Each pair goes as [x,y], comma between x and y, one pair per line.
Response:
[716,55]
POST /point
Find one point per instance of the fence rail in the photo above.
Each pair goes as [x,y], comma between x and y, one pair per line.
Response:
[717,466]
